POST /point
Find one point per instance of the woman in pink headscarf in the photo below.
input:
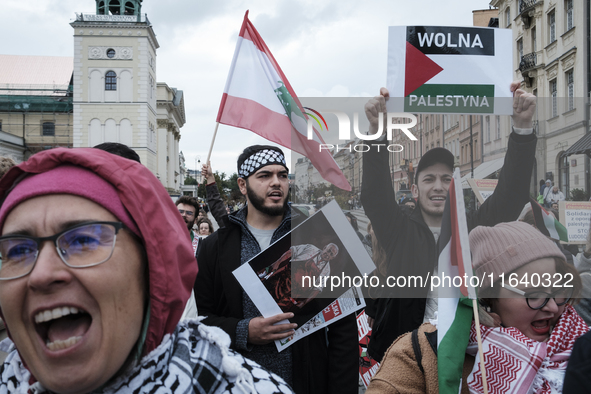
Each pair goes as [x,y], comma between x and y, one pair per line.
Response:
[96,270]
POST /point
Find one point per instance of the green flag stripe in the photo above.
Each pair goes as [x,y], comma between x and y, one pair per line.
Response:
[555,228]
[450,362]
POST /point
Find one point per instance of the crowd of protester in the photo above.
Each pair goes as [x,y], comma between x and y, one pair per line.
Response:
[108,286]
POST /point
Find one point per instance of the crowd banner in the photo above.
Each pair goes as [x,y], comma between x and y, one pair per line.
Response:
[309,269]
[483,188]
[576,217]
[443,69]
[367,365]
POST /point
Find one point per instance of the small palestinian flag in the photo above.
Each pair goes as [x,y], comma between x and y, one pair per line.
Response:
[454,303]
[547,223]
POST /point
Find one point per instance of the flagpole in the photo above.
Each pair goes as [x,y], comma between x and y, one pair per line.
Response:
[479,340]
[215,132]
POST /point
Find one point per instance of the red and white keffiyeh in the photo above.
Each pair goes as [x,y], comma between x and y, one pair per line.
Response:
[515,363]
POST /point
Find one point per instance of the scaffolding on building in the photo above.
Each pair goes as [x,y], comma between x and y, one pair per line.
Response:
[42,115]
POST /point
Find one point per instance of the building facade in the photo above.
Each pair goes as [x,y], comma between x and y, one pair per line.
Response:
[551,56]
[106,93]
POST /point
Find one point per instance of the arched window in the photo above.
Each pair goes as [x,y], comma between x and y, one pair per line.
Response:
[129,8]
[563,174]
[110,80]
[115,7]
[101,8]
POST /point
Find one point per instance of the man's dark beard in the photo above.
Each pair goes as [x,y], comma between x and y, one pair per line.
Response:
[257,203]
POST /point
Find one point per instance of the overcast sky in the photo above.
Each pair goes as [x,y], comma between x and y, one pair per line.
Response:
[326,48]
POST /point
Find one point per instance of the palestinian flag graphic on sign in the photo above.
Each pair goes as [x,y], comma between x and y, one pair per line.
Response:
[437,69]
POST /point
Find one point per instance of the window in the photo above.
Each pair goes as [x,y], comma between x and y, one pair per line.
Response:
[563,174]
[487,135]
[554,95]
[115,7]
[552,26]
[151,86]
[570,87]
[110,80]
[48,128]
[110,53]
[520,49]
[129,8]
[0,125]
[508,17]
[568,5]
[534,44]
[498,121]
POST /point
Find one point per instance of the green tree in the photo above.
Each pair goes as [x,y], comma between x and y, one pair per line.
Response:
[190,181]
[578,195]
[226,186]
[232,184]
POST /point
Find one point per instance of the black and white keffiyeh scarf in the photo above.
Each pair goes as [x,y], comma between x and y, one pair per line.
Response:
[260,159]
[194,359]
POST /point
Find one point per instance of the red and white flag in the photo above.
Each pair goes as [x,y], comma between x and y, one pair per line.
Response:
[259,98]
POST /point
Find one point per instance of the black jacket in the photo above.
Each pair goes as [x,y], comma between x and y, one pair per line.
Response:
[578,372]
[409,243]
[323,362]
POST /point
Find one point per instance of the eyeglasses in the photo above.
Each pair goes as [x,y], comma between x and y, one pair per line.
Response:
[188,213]
[81,246]
[537,299]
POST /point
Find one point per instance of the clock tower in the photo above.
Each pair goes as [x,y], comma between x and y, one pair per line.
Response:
[115,79]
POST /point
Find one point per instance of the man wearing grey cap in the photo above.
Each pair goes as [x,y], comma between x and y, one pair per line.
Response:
[410,242]
[323,362]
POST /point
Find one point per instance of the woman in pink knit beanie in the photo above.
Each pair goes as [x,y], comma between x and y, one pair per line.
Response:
[528,291]
[530,288]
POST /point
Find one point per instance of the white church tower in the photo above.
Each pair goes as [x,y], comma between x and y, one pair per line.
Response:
[115,90]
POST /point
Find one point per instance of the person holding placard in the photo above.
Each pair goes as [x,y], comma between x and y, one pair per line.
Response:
[325,361]
[410,242]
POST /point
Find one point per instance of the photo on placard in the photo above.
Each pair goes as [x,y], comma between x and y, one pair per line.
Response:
[308,269]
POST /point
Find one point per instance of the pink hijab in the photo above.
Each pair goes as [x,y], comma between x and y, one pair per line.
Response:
[171,264]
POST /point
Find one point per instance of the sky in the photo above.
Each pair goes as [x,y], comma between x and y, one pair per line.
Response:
[326,48]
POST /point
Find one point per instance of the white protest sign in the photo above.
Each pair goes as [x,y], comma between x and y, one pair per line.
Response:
[575,216]
[442,69]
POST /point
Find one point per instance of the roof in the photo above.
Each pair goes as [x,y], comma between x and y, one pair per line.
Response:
[484,170]
[581,146]
[21,71]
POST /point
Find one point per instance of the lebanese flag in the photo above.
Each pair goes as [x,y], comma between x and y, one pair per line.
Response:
[454,316]
[259,98]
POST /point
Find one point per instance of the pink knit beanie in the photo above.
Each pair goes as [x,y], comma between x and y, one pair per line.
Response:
[69,179]
[507,247]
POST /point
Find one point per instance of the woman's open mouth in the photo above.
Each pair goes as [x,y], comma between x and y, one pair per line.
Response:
[541,327]
[62,327]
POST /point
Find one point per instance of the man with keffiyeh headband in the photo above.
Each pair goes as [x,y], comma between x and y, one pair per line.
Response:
[313,364]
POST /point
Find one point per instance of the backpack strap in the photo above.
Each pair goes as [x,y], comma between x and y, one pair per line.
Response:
[432,338]
[417,349]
